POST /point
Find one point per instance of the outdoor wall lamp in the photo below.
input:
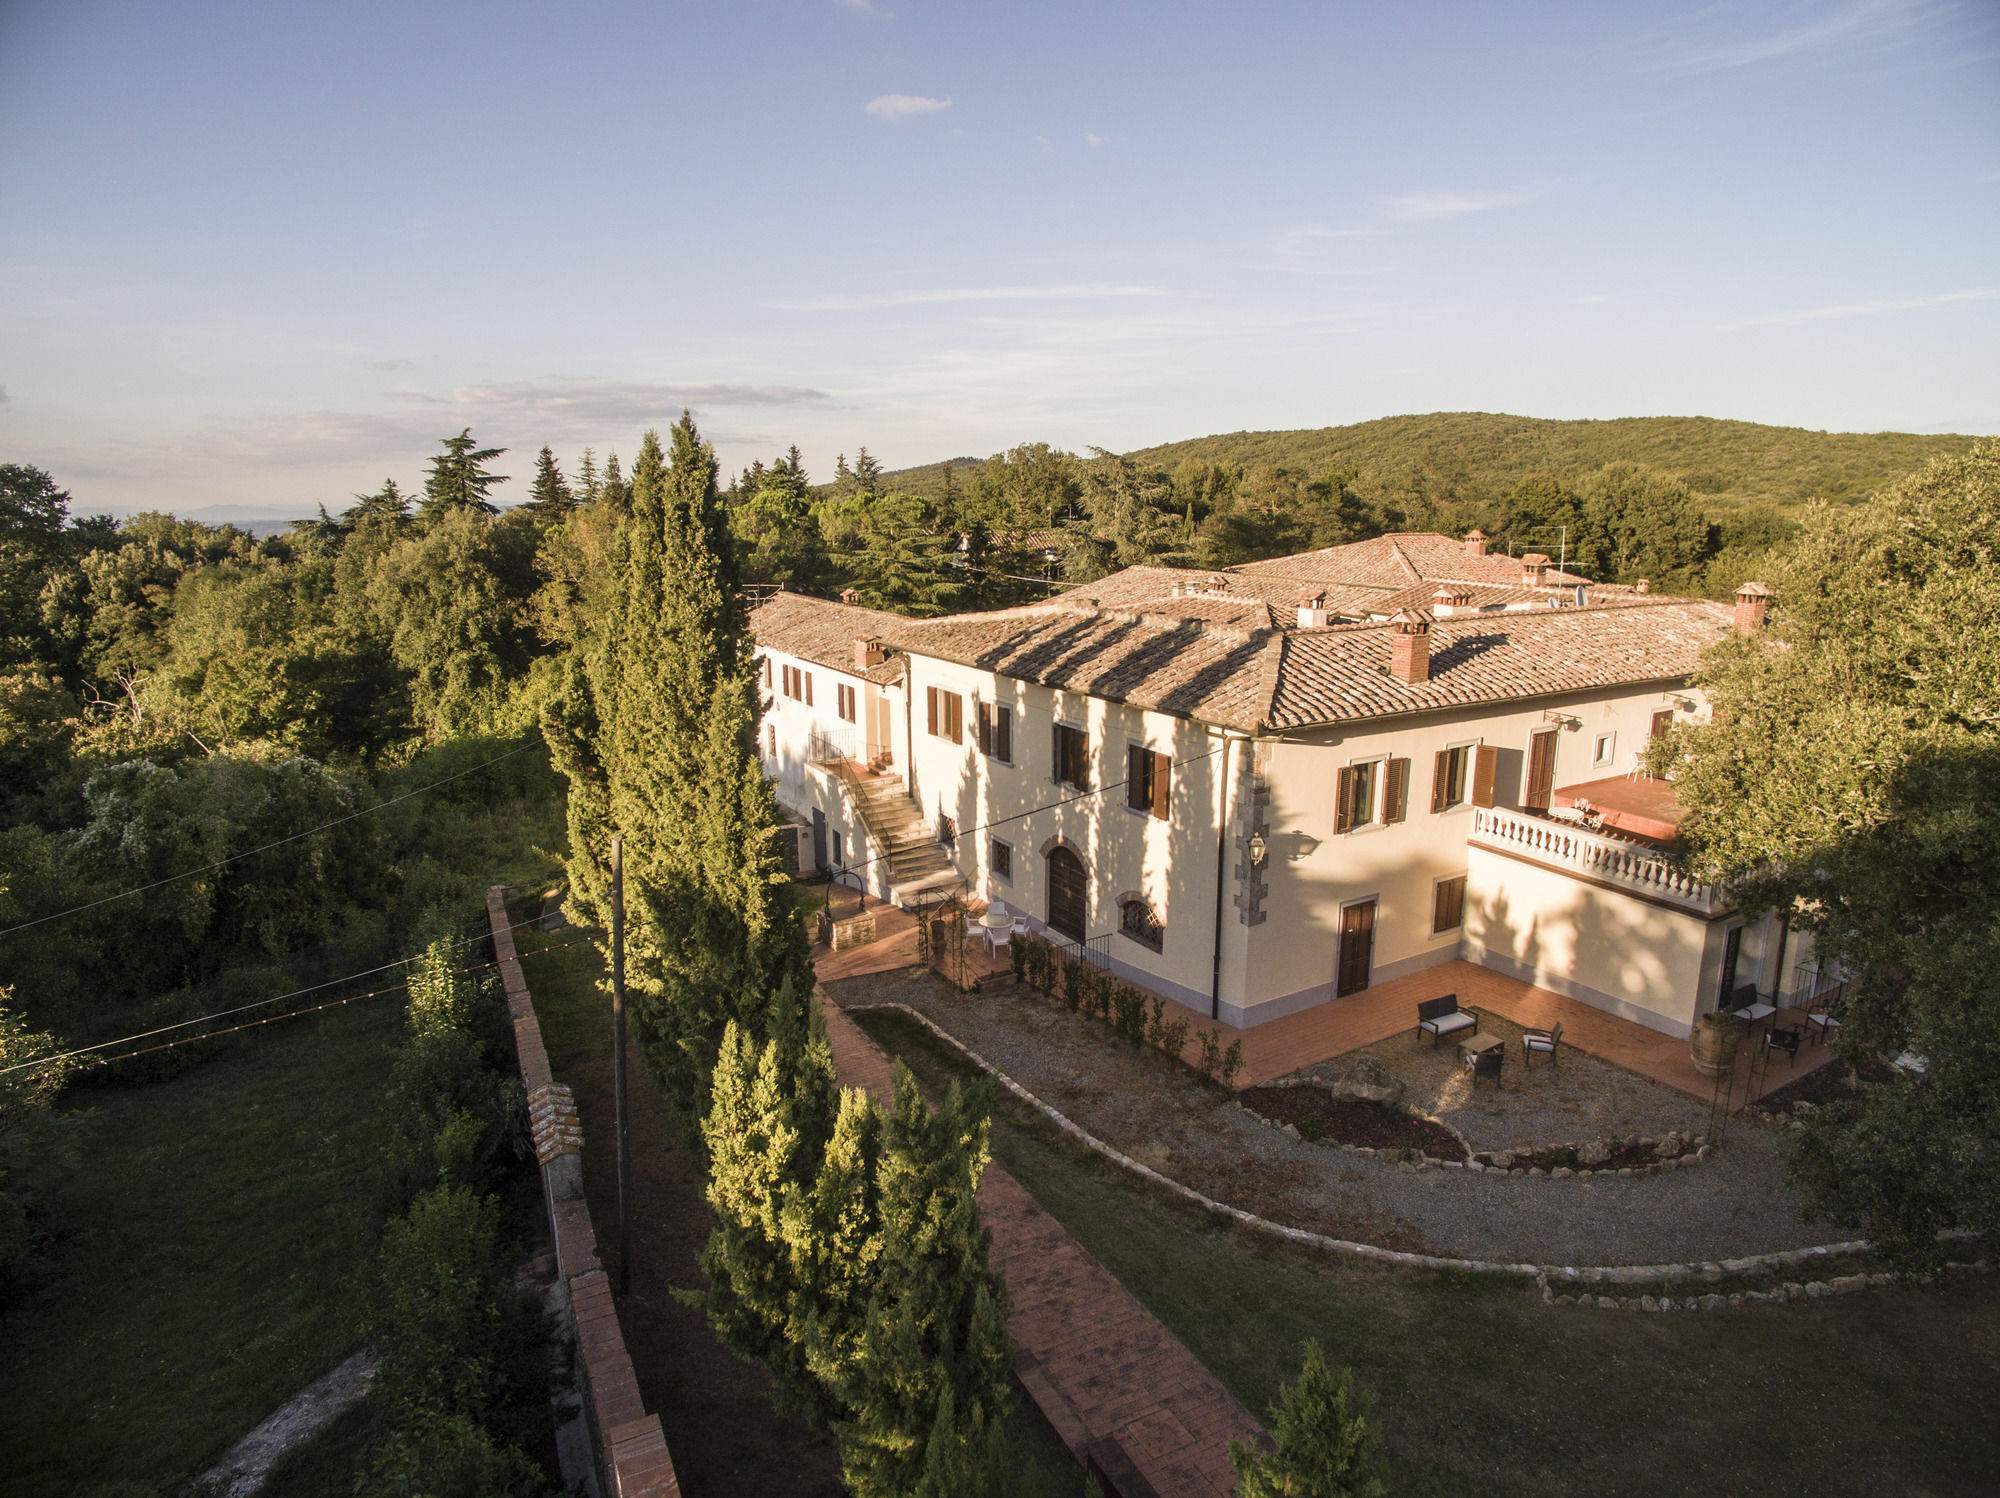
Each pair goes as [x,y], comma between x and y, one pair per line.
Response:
[1563,720]
[1258,850]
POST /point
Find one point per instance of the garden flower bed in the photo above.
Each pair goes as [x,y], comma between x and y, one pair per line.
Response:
[1320,1117]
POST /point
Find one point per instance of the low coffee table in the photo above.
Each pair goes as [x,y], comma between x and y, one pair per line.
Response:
[1479,1044]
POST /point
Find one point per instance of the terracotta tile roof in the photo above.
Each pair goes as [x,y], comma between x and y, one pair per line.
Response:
[1397,561]
[1223,649]
[824,632]
[1337,674]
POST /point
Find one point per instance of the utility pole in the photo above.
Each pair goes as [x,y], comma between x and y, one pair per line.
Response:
[618,1057]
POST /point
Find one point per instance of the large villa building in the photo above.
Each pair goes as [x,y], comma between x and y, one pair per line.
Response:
[1266,788]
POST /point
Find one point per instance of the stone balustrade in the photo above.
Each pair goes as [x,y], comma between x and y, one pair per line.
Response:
[1620,864]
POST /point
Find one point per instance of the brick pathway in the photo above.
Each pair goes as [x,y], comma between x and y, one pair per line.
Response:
[1120,1389]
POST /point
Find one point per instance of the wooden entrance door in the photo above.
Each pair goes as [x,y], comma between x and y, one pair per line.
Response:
[1069,894]
[1541,770]
[1357,948]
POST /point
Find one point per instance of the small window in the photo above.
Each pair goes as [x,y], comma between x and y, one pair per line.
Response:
[1072,757]
[1448,779]
[1448,905]
[946,714]
[839,850]
[1607,745]
[1136,920]
[1355,796]
[767,670]
[844,701]
[1000,860]
[996,731]
[1148,781]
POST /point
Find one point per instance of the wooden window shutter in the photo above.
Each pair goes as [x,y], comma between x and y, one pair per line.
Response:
[1163,781]
[1663,723]
[985,710]
[1484,770]
[1396,794]
[1138,772]
[809,689]
[930,701]
[1059,771]
[954,717]
[1441,781]
[1343,816]
[1003,740]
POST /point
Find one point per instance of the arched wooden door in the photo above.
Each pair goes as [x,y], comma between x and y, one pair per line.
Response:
[1069,894]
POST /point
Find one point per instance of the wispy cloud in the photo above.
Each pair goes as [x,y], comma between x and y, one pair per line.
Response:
[866,8]
[1431,207]
[903,106]
[589,402]
[1857,309]
[963,294]
[1869,22]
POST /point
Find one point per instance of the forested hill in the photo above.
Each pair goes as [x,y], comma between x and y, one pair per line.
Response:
[1473,456]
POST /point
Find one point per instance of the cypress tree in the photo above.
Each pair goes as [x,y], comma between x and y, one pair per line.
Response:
[1326,1447]
[656,729]
[835,1236]
[937,1319]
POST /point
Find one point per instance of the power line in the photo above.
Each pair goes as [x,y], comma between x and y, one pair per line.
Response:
[246,1008]
[252,852]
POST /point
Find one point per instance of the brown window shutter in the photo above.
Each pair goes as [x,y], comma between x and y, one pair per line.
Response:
[1663,723]
[1448,909]
[1440,780]
[809,689]
[1003,740]
[1343,816]
[1484,769]
[954,717]
[1541,769]
[1163,782]
[1396,794]
[1138,770]
[1058,770]
[985,728]
[930,701]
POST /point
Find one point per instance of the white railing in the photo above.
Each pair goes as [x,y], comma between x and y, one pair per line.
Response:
[1621,864]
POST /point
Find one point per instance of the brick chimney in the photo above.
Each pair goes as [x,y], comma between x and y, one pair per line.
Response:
[1450,599]
[1312,610]
[849,596]
[1643,585]
[1475,543]
[1534,568]
[1751,601]
[868,652]
[1410,646]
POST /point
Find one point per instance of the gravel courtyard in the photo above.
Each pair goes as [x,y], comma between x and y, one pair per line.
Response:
[1157,1111]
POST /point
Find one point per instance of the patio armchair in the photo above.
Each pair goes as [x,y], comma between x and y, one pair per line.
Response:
[1440,1017]
[1544,1041]
[1486,1063]
[1821,1021]
[1785,1038]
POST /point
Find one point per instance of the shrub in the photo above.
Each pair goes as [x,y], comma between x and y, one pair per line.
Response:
[1232,1062]
[1211,1054]
[1326,1446]
[448,1456]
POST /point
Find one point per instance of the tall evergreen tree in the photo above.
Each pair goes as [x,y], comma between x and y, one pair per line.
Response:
[387,506]
[656,729]
[589,485]
[937,1321]
[459,478]
[549,496]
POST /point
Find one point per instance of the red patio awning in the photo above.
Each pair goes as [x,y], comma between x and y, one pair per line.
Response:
[1641,807]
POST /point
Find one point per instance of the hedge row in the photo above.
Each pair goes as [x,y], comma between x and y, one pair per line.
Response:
[1131,1012]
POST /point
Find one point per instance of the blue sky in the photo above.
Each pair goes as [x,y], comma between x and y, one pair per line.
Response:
[263,254]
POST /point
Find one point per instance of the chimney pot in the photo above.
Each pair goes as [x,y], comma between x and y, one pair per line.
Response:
[1534,568]
[1312,610]
[1644,585]
[1450,599]
[1410,646]
[849,596]
[1475,543]
[868,652]
[1751,601]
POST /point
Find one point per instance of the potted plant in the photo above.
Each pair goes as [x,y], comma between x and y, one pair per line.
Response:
[1712,1045]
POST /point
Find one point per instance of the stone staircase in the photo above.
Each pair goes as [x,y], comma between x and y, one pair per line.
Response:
[897,833]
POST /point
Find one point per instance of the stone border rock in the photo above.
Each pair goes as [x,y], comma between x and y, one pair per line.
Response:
[1790,1292]
[1545,1276]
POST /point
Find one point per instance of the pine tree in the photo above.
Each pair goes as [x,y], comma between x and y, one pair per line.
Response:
[386,506]
[459,478]
[614,488]
[549,498]
[1326,1447]
[937,1320]
[589,486]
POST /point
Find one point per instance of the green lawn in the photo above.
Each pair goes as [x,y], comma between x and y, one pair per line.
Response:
[1481,1389]
[208,1270]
